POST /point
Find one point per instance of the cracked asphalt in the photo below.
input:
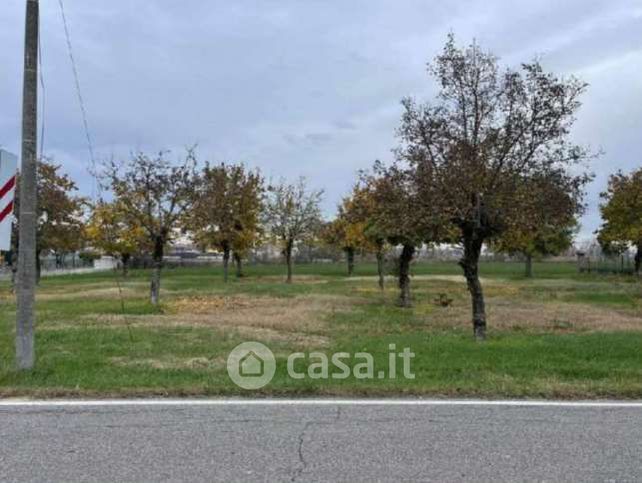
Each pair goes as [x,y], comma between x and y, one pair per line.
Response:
[320,443]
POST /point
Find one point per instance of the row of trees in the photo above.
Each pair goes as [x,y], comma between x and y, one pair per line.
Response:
[487,163]
[224,207]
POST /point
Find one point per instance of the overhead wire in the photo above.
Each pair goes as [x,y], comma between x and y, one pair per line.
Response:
[81,101]
[90,146]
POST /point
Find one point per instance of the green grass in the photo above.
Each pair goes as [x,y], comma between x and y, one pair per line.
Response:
[82,351]
[528,365]
[188,276]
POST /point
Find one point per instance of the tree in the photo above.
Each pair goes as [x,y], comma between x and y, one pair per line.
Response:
[244,242]
[110,230]
[355,228]
[553,207]
[60,226]
[621,210]
[364,212]
[548,240]
[402,213]
[226,211]
[333,234]
[487,132]
[292,215]
[347,231]
[156,195]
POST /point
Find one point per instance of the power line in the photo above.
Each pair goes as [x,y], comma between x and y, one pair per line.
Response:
[80,98]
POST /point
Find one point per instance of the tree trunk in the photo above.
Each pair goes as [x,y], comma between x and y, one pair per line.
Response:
[529,266]
[159,247]
[239,265]
[226,262]
[638,258]
[288,259]
[470,264]
[380,261]
[124,258]
[350,259]
[405,258]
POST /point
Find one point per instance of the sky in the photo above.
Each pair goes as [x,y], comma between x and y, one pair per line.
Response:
[304,88]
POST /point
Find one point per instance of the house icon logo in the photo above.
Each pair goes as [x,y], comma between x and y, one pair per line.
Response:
[251,365]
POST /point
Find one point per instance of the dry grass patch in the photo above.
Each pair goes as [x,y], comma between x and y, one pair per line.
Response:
[171,362]
[109,292]
[516,314]
[298,279]
[298,320]
[88,291]
[391,279]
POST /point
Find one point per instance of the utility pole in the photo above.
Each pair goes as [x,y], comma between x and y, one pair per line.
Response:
[26,288]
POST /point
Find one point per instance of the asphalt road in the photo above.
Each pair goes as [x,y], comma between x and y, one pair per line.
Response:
[320,442]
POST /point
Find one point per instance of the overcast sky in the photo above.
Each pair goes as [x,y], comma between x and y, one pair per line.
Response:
[304,87]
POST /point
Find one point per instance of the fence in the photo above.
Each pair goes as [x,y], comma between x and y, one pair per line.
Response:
[617,264]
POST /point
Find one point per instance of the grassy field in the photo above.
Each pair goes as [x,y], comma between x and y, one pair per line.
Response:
[561,334]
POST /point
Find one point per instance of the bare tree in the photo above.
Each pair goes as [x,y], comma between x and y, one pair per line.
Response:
[292,214]
[156,195]
[487,132]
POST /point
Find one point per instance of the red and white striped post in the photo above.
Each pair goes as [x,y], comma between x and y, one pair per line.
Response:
[8,169]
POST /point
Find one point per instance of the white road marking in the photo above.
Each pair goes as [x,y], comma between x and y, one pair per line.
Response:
[20,403]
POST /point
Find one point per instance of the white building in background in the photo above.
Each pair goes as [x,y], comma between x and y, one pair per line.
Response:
[106,262]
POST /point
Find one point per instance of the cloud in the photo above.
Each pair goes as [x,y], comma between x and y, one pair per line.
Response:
[305,88]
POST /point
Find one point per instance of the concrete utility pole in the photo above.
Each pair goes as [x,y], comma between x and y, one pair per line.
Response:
[26,289]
